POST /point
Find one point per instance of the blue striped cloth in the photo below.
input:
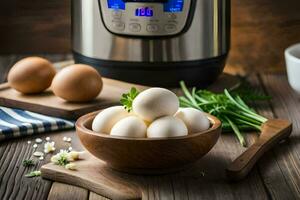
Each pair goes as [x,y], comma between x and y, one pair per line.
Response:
[16,123]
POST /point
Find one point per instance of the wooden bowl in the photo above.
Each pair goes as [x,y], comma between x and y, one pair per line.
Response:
[147,155]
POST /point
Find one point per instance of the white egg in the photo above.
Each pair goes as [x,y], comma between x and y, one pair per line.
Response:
[154,103]
[107,118]
[195,120]
[167,126]
[130,127]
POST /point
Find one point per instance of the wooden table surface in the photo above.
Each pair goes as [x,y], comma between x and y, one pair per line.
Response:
[276,176]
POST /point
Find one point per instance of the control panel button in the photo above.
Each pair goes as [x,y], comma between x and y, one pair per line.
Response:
[116,14]
[135,27]
[172,16]
[170,28]
[152,27]
[120,26]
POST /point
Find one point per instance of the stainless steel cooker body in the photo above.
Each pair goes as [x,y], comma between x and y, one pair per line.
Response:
[146,41]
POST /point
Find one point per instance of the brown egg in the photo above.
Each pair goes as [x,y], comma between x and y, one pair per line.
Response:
[31,75]
[77,83]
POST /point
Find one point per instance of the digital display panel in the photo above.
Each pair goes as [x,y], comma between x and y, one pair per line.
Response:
[144,12]
[174,6]
[116,4]
[147,1]
[169,5]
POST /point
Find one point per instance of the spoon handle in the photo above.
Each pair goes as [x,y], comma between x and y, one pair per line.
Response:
[273,131]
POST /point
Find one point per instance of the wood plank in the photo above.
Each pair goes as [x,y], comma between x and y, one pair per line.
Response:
[93,174]
[285,104]
[261,30]
[208,180]
[13,183]
[94,196]
[269,169]
[273,131]
[61,191]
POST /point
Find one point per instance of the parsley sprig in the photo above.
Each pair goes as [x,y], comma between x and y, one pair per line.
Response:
[128,98]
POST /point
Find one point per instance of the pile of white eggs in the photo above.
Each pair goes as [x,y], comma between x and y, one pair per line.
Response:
[155,114]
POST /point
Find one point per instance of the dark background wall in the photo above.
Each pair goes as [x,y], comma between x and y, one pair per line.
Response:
[35,26]
[261,29]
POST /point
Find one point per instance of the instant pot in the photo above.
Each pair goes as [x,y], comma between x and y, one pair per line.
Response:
[153,42]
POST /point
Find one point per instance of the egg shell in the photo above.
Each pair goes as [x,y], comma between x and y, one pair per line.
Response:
[154,103]
[107,118]
[195,120]
[165,127]
[31,75]
[77,83]
[131,126]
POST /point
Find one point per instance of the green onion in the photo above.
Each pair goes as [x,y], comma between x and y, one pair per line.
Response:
[33,174]
[230,107]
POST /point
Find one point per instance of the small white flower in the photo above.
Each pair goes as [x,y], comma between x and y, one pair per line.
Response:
[70,148]
[47,138]
[65,139]
[41,158]
[28,142]
[49,147]
[38,154]
[54,159]
[76,155]
[35,146]
[69,139]
[71,166]
[38,140]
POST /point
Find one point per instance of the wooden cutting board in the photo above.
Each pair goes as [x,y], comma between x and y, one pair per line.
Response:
[47,103]
[93,175]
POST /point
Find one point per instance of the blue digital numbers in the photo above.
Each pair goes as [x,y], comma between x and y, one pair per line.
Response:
[144,12]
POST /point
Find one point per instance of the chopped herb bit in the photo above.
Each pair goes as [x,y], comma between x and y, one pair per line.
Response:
[128,98]
[33,174]
[27,163]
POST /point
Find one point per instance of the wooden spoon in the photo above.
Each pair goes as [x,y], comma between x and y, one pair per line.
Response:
[273,131]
